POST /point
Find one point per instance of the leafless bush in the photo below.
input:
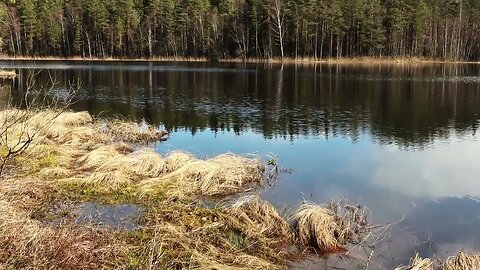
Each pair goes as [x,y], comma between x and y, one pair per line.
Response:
[15,132]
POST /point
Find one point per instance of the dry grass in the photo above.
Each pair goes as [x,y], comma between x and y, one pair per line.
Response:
[204,248]
[7,73]
[256,217]
[75,127]
[315,226]
[418,263]
[219,176]
[462,261]
[144,163]
[131,131]
[75,158]
[29,244]
[329,229]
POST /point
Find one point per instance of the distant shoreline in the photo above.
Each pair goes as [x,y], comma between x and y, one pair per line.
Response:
[307,61]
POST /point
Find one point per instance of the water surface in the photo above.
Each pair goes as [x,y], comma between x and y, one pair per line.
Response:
[400,139]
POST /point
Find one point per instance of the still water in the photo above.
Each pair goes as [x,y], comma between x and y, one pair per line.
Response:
[400,139]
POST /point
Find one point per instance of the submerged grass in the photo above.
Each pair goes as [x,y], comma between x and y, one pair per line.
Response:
[193,215]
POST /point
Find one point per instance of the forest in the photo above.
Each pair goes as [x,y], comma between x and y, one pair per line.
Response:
[263,29]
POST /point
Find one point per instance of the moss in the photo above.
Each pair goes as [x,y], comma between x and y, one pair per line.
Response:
[137,256]
[31,166]
[237,239]
[79,193]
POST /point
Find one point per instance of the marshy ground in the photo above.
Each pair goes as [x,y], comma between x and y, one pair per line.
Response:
[155,211]
[187,212]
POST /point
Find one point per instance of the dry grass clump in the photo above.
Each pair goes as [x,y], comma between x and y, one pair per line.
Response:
[56,173]
[28,244]
[148,163]
[98,156]
[418,263]
[108,168]
[207,254]
[60,118]
[177,159]
[254,217]
[131,131]
[330,228]
[144,162]
[104,181]
[63,127]
[241,262]
[315,226]
[207,244]
[462,261]
[219,176]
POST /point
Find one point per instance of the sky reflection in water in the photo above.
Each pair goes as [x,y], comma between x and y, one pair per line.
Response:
[430,190]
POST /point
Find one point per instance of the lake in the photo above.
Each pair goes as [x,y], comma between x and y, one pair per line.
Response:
[400,139]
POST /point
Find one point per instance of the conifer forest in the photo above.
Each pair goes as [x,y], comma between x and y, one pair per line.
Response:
[434,29]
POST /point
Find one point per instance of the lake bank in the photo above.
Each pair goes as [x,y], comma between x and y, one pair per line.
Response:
[188,212]
[180,211]
[287,60]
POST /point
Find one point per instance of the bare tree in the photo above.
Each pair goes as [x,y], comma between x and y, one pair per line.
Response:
[276,11]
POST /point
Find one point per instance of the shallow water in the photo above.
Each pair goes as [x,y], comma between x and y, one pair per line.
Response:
[400,139]
[123,217]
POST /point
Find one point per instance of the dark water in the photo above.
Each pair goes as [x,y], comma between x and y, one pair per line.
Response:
[400,139]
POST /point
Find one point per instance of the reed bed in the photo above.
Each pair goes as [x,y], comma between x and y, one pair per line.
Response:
[195,216]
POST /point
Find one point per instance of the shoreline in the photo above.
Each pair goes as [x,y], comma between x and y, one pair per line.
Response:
[180,211]
[303,61]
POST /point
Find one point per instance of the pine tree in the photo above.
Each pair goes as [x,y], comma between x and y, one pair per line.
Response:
[372,32]
[28,19]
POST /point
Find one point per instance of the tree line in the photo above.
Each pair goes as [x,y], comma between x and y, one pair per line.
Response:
[441,29]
